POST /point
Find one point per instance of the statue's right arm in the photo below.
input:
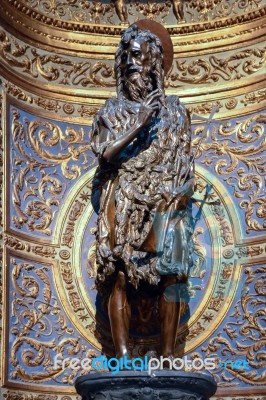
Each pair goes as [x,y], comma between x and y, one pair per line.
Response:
[112,151]
[117,146]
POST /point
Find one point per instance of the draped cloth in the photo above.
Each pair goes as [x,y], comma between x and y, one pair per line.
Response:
[132,205]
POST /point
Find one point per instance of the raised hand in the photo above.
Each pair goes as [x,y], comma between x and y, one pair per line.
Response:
[149,106]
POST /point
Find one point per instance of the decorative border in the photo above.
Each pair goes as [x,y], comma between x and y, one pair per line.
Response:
[116,29]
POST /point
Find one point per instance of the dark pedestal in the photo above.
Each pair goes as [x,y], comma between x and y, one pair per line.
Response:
[135,385]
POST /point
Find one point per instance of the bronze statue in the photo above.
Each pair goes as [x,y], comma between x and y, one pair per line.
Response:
[142,140]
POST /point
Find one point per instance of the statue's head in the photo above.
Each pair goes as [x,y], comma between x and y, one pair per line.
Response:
[138,64]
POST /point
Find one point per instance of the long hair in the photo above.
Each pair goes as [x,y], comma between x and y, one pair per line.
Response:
[156,50]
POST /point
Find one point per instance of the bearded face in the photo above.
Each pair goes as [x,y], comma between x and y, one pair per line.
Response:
[135,70]
[138,85]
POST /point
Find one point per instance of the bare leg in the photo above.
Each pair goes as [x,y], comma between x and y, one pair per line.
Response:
[119,315]
[169,319]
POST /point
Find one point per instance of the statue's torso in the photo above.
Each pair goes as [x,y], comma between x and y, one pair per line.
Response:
[142,173]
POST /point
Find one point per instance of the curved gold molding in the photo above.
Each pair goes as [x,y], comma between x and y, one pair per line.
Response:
[116,29]
[80,108]
[93,39]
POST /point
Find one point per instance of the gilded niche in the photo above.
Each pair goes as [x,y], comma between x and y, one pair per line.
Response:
[54,81]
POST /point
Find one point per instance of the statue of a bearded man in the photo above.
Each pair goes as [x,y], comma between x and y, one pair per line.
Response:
[142,140]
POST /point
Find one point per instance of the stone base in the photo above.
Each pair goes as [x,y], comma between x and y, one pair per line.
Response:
[134,385]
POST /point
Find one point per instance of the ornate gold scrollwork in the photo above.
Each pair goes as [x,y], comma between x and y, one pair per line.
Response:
[42,136]
[215,69]
[65,71]
[204,108]
[152,10]
[255,98]
[54,68]
[100,12]
[51,105]
[246,329]
[32,304]
[25,396]
[241,149]
[16,244]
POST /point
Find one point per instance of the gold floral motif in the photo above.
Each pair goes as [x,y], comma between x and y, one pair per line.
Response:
[42,136]
[254,98]
[78,11]
[17,92]
[63,70]
[216,69]
[16,244]
[151,10]
[67,274]
[204,108]
[251,251]
[70,228]
[243,142]
[44,251]
[231,103]
[203,6]
[255,207]
[32,304]
[247,321]
[64,254]
[46,104]
[49,104]
[30,288]
[25,396]
[195,331]
[97,10]
[54,11]
[86,111]
[227,271]
[68,108]
[72,292]
[226,231]
[216,302]
[214,9]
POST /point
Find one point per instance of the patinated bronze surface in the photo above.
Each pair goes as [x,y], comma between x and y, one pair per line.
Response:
[142,140]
